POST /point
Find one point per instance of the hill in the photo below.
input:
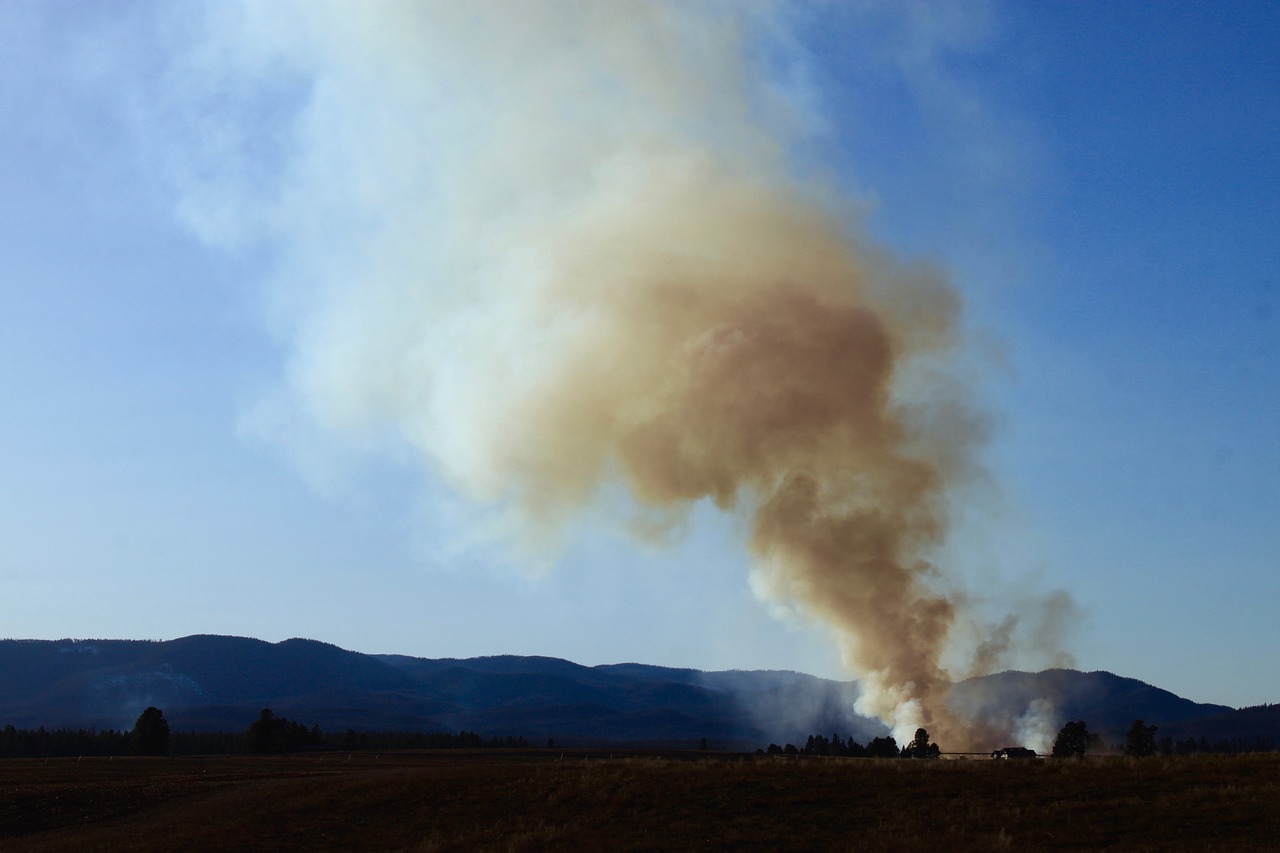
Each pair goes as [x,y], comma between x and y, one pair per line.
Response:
[212,683]
[220,683]
[1108,703]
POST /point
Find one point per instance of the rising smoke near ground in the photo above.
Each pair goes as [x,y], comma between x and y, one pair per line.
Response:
[561,247]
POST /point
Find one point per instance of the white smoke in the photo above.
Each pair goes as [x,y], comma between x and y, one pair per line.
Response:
[1037,727]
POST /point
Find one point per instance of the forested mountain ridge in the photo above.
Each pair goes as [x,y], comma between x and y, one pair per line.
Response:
[1108,703]
[216,683]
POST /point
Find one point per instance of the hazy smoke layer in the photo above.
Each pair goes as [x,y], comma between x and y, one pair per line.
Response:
[560,246]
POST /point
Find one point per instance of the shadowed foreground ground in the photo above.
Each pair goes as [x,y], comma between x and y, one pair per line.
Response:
[533,800]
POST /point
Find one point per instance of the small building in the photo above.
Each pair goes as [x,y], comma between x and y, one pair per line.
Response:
[1010,752]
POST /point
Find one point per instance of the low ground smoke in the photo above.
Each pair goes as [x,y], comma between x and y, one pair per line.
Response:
[560,247]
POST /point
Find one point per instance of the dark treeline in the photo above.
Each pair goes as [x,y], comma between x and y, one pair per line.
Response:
[353,740]
[880,747]
[288,737]
[42,742]
[270,734]
[886,747]
[1195,746]
[1222,746]
[1075,739]
[37,743]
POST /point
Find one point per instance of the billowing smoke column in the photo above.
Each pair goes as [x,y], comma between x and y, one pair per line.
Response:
[563,246]
[724,341]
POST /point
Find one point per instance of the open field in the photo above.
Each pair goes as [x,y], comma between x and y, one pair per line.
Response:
[534,800]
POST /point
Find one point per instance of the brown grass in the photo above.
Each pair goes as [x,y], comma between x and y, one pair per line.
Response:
[533,800]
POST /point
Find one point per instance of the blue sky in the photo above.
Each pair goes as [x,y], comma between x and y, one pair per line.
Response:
[1101,181]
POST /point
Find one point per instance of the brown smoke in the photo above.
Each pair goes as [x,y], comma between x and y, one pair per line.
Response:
[739,349]
[561,246]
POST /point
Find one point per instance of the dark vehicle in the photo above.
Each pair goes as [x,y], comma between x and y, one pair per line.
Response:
[1014,752]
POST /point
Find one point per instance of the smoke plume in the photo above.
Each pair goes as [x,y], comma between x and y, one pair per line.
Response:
[556,247]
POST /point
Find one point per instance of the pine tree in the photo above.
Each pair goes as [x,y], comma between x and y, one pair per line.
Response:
[150,734]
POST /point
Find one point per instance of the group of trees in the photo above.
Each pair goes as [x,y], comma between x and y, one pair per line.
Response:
[271,734]
[41,742]
[880,747]
[1193,746]
[1141,741]
[354,740]
[1075,740]
[149,736]
[920,747]
[37,743]
[268,734]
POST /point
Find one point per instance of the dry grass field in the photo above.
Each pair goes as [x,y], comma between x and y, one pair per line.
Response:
[536,800]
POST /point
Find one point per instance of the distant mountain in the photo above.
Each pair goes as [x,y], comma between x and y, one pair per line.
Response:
[220,683]
[1107,703]
[214,683]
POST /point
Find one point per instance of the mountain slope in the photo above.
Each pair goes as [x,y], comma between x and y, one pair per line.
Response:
[220,683]
[1108,703]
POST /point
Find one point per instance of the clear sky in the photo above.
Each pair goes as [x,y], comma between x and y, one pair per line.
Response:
[1100,181]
